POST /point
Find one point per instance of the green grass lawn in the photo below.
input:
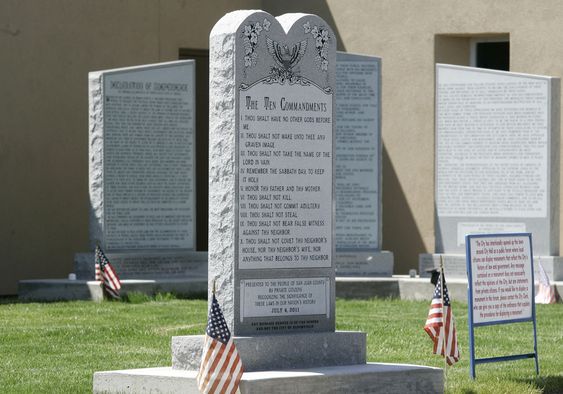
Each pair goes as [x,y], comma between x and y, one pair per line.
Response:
[56,347]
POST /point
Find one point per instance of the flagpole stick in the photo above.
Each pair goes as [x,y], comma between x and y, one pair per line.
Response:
[443,324]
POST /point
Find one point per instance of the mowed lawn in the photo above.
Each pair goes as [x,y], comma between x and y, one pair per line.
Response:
[56,347]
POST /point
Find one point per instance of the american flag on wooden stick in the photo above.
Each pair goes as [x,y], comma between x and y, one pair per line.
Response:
[108,276]
[221,368]
[547,294]
[440,324]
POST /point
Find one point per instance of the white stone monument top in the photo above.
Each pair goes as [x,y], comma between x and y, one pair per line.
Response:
[271,187]
[497,165]
[142,171]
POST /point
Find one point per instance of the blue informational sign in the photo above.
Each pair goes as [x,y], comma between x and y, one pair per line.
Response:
[500,271]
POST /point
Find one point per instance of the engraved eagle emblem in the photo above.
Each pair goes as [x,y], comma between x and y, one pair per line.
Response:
[284,57]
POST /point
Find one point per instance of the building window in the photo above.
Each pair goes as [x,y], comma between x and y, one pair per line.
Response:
[491,53]
[474,50]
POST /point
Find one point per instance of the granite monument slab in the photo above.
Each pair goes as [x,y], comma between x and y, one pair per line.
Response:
[271,172]
[497,158]
[142,170]
[358,168]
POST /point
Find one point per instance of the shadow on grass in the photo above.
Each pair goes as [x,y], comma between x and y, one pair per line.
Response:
[9,300]
[549,384]
[131,298]
[135,297]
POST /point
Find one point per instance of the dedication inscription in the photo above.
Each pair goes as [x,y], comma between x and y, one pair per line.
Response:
[495,156]
[281,277]
[271,297]
[142,181]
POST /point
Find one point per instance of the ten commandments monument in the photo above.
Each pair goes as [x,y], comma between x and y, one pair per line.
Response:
[272,254]
[271,216]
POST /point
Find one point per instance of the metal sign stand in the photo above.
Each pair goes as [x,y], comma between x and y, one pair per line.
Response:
[474,361]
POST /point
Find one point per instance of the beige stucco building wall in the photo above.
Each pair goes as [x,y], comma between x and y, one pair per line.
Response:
[47,48]
[411,36]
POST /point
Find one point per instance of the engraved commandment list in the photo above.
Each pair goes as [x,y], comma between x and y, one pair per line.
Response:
[285,212]
[285,156]
[284,183]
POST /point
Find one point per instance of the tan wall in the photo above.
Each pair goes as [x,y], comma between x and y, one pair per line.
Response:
[403,33]
[47,48]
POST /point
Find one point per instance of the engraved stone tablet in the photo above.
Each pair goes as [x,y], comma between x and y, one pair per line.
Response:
[271,172]
[358,168]
[142,178]
[497,166]
[358,152]
[142,157]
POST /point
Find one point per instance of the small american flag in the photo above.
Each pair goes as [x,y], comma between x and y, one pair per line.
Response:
[440,325]
[546,293]
[98,272]
[107,274]
[221,368]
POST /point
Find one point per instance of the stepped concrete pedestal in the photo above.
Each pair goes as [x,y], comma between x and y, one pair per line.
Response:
[398,286]
[360,378]
[182,273]
[369,264]
[146,264]
[331,362]
[280,352]
[70,290]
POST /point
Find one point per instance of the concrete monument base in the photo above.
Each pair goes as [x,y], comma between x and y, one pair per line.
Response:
[455,265]
[69,290]
[360,378]
[399,286]
[328,362]
[146,264]
[368,263]
[278,352]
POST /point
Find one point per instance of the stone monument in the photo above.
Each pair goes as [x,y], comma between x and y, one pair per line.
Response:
[497,163]
[271,218]
[142,171]
[271,173]
[358,168]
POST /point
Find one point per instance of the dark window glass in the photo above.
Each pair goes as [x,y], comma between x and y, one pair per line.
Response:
[495,55]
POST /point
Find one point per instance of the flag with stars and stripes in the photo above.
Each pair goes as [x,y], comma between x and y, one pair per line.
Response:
[440,324]
[221,368]
[547,294]
[108,276]
[97,271]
